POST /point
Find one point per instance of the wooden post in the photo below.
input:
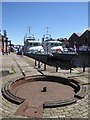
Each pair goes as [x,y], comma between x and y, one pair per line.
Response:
[56,66]
[70,67]
[38,64]
[35,63]
[44,67]
[83,67]
[56,69]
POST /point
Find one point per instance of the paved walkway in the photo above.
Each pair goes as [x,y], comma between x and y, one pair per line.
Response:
[10,63]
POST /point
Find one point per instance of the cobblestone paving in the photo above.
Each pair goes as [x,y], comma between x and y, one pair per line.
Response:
[76,110]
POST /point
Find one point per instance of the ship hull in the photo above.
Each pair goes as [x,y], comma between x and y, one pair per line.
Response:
[64,56]
[53,60]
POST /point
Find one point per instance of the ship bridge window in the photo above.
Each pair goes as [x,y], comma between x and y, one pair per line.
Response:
[36,44]
[30,44]
[57,44]
[52,44]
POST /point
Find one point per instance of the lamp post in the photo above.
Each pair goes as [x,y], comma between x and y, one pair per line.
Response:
[2,44]
[5,41]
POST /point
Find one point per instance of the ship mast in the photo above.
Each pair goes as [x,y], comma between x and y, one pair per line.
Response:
[47,30]
[29,29]
[47,35]
[29,35]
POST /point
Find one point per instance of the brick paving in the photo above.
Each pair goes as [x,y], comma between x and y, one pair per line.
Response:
[7,109]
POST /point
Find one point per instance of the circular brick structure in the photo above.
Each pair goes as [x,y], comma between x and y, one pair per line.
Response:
[36,92]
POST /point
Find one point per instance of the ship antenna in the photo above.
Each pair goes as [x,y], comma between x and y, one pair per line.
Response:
[29,29]
[47,30]
[47,35]
[30,32]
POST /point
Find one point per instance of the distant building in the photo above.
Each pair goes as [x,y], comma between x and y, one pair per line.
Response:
[85,38]
[0,43]
[74,40]
[4,43]
[80,39]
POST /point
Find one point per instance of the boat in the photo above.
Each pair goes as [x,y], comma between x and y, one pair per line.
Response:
[64,56]
[51,52]
[32,45]
[51,61]
[55,48]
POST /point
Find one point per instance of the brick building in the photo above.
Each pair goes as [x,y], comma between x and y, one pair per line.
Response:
[80,39]
[74,40]
[85,38]
[4,43]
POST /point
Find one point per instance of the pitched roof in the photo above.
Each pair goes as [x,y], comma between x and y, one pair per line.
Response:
[79,34]
[88,29]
